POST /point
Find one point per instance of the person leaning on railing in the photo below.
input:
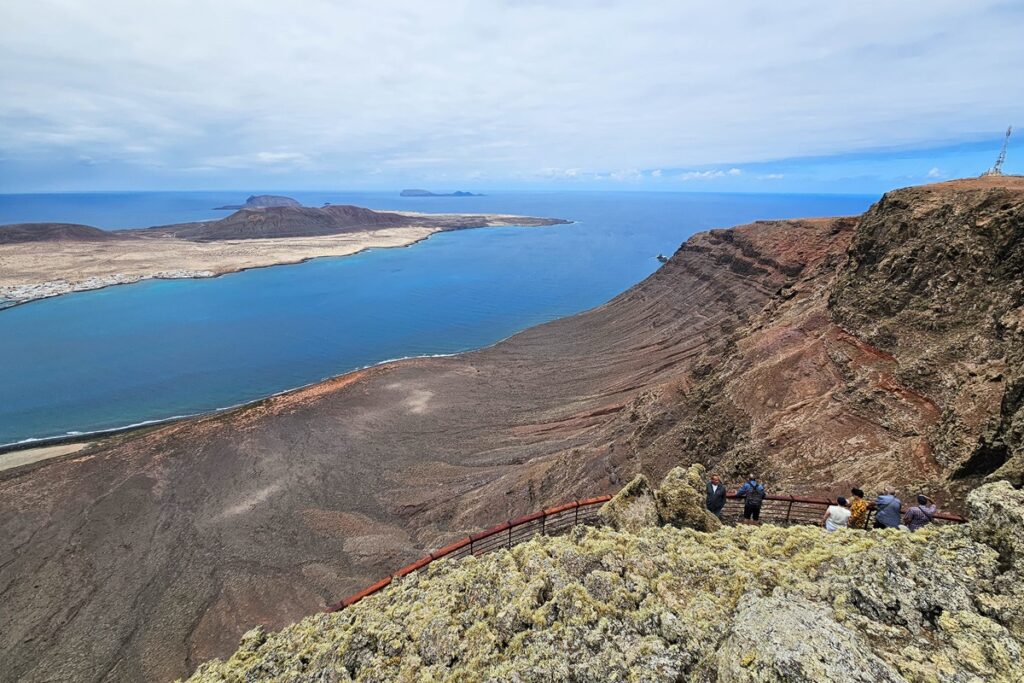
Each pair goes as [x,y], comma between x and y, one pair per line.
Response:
[887,506]
[837,516]
[921,514]
[859,510]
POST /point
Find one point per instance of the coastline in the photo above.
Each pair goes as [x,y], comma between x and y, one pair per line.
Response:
[39,270]
[278,252]
[99,437]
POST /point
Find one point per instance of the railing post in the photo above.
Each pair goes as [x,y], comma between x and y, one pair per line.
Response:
[789,509]
[577,512]
[544,524]
[509,535]
[471,546]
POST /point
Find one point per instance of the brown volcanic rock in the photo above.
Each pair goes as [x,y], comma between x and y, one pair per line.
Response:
[936,277]
[140,557]
[17,233]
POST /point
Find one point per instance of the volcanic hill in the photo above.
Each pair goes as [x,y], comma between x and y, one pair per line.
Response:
[820,353]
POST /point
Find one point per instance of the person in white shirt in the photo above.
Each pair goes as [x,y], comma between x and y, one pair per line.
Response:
[837,516]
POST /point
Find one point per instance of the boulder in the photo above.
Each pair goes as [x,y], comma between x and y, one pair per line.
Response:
[996,512]
[681,500]
[788,638]
[632,508]
[1012,471]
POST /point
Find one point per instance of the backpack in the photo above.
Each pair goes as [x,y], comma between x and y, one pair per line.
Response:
[755,495]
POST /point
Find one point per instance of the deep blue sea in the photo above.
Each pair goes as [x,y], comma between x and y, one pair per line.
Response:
[154,350]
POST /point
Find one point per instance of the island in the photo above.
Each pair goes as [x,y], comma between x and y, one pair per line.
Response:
[39,260]
[428,193]
[260,201]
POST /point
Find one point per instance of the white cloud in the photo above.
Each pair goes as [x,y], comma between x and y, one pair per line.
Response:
[771,176]
[934,173]
[626,176]
[331,90]
[707,175]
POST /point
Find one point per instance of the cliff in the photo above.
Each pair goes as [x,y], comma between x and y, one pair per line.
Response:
[666,604]
[897,363]
[747,350]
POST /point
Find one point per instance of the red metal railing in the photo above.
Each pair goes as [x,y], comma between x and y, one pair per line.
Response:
[785,510]
[547,522]
[776,509]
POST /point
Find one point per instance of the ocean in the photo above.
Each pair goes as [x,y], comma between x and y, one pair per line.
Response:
[150,351]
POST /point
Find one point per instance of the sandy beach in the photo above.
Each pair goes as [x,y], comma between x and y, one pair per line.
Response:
[29,456]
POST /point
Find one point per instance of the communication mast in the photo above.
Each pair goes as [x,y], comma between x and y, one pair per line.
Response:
[998,168]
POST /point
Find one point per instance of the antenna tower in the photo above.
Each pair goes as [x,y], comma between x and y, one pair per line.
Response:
[997,169]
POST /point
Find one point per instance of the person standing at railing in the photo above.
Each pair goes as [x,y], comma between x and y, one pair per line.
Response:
[888,510]
[858,510]
[921,514]
[837,516]
[753,494]
[716,496]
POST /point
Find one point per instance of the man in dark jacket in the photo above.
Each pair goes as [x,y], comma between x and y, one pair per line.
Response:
[716,496]
[753,494]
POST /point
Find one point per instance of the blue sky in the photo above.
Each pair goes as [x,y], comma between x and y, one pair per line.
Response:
[788,96]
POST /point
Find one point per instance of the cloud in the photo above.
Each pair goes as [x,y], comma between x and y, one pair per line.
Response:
[771,176]
[333,90]
[934,173]
[262,160]
[626,176]
[707,175]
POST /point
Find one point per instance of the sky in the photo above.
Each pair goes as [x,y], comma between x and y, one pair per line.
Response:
[724,96]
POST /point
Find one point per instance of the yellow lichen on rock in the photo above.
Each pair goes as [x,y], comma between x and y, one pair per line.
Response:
[667,604]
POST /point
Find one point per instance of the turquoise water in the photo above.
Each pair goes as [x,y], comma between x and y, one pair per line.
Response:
[124,355]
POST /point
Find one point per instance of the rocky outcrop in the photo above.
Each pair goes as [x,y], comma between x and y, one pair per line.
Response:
[666,604]
[682,500]
[679,501]
[632,508]
[789,638]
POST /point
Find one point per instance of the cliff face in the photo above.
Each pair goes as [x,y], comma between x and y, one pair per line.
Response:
[747,350]
[899,363]
[740,604]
